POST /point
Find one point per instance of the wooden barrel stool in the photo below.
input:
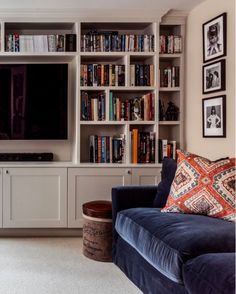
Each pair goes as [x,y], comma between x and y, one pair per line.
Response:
[97,230]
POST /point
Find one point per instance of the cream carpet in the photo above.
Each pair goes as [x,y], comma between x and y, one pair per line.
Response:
[56,266]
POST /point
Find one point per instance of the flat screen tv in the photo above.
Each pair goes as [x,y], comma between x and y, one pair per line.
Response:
[34,101]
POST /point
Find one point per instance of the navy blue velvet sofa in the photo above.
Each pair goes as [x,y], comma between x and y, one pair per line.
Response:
[170,252]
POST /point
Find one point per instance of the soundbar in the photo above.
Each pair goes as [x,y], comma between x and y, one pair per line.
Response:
[26,156]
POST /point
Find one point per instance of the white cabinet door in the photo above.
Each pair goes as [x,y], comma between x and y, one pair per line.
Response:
[89,184]
[34,197]
[146,176]
[1,197]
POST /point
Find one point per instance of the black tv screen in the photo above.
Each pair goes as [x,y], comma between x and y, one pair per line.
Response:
[33,101]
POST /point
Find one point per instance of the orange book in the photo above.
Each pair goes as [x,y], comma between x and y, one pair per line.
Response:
[152,75]
[135,145]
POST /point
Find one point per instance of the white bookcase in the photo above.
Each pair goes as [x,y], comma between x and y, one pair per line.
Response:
[74,153]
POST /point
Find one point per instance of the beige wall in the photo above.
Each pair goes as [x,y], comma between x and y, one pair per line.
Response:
[212,148]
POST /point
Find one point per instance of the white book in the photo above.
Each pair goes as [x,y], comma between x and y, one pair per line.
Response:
[22,43]
[164,148]
[132,75]
[94,101]
[45,43]
[146,43]
[28,43]
[52,43]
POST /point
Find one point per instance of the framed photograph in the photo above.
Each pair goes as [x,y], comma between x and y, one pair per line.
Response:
[214,38]
[213,77]
[214,116]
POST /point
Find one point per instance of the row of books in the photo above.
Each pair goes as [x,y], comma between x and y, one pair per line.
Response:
[170,44]
[93,108]
[102,75]
[169,77]
[40,43]
[166,148]
[137,108]
[112,41]
[142,147]
[106,149]
[142,75]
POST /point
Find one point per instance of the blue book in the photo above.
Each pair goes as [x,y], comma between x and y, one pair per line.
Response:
[111,106]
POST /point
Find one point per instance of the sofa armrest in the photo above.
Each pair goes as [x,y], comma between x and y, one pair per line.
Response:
[125,197]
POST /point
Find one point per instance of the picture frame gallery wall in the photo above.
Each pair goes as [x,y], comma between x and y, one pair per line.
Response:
[214,36]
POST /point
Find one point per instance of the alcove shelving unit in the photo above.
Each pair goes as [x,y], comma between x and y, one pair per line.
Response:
[114,125]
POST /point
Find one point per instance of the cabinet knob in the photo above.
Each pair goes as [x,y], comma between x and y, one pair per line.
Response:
[7,172]
[128,172]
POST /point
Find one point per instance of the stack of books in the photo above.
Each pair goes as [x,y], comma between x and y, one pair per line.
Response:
[112,41]
[142,147]
[106,149]
[40,43]
[136,108]
[93,108]
[169,77]
[170,44]
[96,75]
[142,75]
[166,148]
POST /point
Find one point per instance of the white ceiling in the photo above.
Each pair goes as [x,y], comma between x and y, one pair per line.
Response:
[186,5]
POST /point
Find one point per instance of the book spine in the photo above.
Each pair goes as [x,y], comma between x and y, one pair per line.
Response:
[135,146]
[70,42]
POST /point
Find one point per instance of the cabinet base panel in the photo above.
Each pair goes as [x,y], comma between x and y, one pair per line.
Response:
[41,232]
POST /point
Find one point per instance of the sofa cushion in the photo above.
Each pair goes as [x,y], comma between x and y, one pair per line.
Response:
[168,240]
[204,187]
[169,167]
[210,273]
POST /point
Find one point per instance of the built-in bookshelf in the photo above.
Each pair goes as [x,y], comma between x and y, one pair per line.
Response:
[171,90]
[120,60]
[125,85]
[125,108]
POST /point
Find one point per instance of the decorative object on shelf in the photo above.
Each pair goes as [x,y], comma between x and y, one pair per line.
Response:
[136,114]
[172,112]
[214,116]
[214,38]
[213,77]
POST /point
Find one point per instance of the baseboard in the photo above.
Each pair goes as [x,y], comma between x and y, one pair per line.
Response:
[40,232]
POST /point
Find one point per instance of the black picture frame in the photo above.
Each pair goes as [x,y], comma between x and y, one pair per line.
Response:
[214,116]
[214,38]
[213,77]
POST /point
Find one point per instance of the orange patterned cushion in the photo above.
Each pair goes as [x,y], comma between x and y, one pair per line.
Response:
[202,186]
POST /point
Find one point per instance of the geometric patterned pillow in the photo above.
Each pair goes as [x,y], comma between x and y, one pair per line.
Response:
[201,186]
